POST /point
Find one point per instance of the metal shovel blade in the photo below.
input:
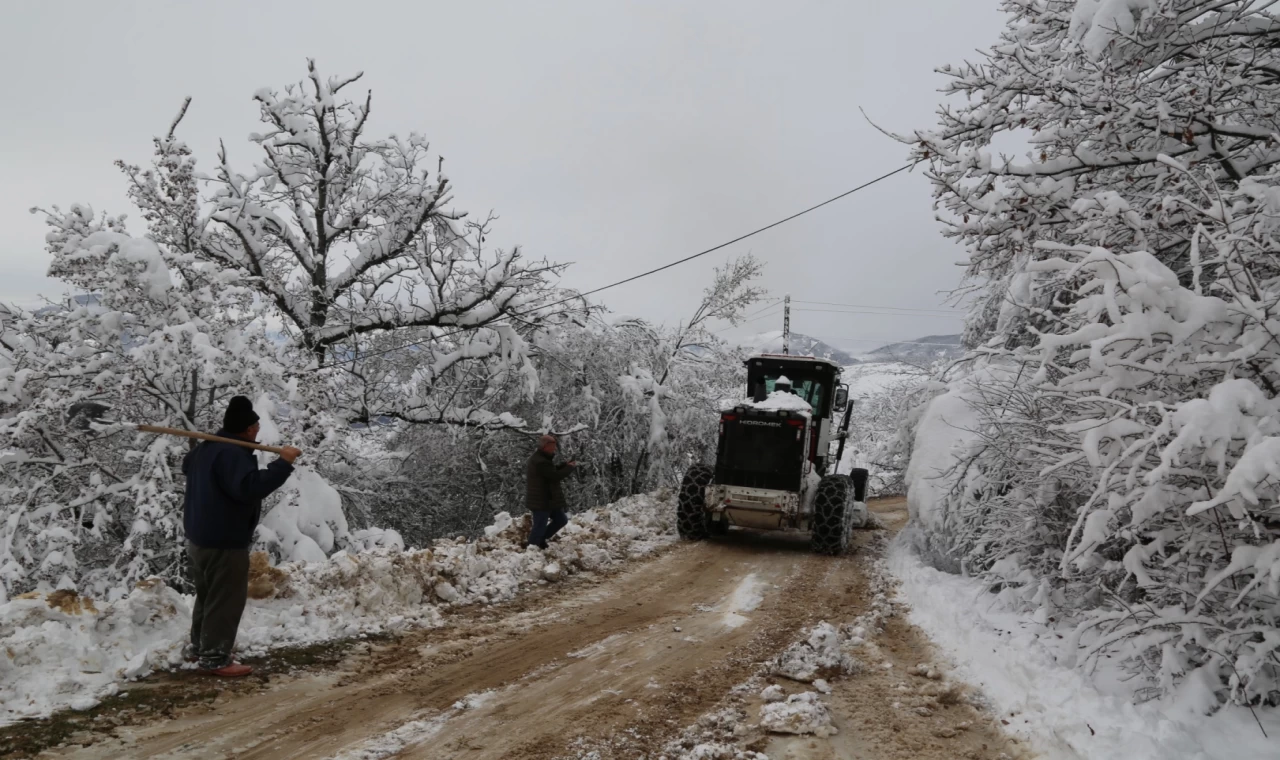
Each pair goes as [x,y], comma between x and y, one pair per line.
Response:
[82,414]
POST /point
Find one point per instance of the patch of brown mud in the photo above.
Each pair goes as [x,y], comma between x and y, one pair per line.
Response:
[163,697]
[71,603]
[369,687]
[602,667]
[64,600]
[886,713]
[623,697]
[265,581]
[179,695]
[898,705]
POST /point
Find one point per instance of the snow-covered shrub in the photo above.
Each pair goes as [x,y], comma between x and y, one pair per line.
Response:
[678,377]
[1109,454]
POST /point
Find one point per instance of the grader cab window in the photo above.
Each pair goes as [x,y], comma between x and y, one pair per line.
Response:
[813,381]
[810,389]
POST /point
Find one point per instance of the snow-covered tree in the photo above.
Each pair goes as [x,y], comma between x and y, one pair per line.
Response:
[158,336]
[1100,91]
[352,244]
[650,380]
[1119,454]
[602,382]
[390,306]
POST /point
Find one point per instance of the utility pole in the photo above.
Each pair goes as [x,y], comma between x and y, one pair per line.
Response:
[786,324]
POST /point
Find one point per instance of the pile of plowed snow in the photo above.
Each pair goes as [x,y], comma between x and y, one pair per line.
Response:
[60,650]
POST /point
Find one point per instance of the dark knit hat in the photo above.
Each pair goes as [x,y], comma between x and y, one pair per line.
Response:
[240,415]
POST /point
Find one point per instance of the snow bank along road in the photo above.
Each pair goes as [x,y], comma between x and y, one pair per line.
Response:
[615,667]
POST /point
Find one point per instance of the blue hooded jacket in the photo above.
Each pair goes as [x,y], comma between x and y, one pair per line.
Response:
[224,495]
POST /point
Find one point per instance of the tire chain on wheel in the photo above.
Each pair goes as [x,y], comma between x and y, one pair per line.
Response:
[691,513]
[830,529]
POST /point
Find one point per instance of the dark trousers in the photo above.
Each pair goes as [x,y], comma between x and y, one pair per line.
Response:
[546,525]
[222,586]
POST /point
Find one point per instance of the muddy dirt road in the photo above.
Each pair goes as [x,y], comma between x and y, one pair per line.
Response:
[611,668]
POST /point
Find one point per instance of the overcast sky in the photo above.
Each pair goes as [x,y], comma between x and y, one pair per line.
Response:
[614,135]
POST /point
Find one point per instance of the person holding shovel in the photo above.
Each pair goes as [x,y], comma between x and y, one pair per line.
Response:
[223,502]
[543,495]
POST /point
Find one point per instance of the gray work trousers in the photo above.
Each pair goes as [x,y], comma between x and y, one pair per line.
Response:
[222,587]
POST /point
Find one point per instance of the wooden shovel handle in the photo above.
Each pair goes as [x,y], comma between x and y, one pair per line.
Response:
[206,437]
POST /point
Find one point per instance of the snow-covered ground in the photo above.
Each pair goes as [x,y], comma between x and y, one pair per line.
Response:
[869,379]
[61,650]
[877,390]
[1066,713]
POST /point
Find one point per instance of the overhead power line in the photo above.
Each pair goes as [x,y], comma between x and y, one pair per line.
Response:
[740,238]
[745,322]
[773,312]
[955,312]
[881,313]
[771,315]
[772,303]
[642,275]
[889,341]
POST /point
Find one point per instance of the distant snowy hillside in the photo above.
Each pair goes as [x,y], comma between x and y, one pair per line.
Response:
[930,348]
[801,345]
[865,380]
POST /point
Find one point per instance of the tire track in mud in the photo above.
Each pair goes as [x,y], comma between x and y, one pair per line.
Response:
[421,674]
[618,666]
[656,679]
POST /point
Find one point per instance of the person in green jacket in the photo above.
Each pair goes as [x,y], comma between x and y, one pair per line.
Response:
[543,494]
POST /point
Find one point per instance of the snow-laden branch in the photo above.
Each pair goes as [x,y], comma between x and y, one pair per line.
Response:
[1108,451]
